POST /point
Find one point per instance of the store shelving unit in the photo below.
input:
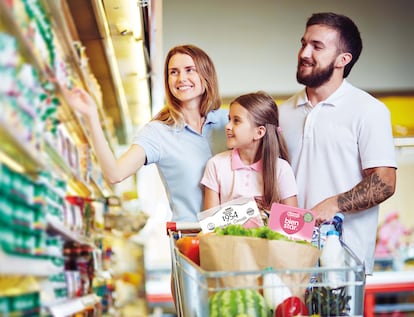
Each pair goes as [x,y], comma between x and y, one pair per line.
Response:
[72,306]
[57,227]
[30,159]
[20,265]
[24,155]
[404,142]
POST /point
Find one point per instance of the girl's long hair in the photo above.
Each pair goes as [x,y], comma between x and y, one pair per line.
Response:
[171,113]
[264,112]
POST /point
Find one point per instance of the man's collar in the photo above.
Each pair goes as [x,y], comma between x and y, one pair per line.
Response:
[303,100]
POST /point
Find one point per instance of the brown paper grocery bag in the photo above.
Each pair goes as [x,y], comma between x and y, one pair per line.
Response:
[242,254]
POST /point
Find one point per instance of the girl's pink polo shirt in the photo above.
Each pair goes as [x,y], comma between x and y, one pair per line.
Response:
[226,174]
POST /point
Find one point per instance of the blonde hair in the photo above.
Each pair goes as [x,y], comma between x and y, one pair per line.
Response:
[171,113]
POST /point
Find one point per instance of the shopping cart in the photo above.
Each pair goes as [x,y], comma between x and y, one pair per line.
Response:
[194,286]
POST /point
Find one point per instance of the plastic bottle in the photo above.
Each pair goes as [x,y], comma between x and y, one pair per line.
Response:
[315,236]
[338,223]
[333,256]
[334,224]
[274,290]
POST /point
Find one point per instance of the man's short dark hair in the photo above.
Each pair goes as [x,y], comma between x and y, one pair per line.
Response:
[350,37]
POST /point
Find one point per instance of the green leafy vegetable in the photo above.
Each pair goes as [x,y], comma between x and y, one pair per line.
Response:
[261,232]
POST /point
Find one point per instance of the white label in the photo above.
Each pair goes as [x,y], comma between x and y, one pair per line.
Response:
[235,212]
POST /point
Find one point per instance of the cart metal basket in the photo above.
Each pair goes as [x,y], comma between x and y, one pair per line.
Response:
[193,286]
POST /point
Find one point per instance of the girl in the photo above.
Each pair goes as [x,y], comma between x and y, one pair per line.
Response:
[258,164]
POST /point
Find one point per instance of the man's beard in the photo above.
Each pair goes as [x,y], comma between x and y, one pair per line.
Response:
[316,79]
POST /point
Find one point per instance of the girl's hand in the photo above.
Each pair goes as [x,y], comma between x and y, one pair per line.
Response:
[81,101]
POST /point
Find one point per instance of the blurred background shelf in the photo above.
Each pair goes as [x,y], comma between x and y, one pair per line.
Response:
[25,265]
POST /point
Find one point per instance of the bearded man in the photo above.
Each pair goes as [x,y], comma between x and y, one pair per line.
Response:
[339,136]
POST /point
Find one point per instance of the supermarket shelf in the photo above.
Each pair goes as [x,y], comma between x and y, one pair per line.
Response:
[72,306]
[74,182]
[57,226]
[26,157]
[388,278]
[102,190]
[20,151]
[64,25]
[392,282]
[81,187]
[24,265]
[391,308]
[402,142]
[26,48]
[29,54]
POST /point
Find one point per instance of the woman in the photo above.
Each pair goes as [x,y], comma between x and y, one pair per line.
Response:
[179,139]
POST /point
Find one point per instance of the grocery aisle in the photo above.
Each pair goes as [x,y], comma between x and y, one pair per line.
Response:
[64,231]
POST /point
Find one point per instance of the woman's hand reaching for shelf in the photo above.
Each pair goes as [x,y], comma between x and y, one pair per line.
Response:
[81,101]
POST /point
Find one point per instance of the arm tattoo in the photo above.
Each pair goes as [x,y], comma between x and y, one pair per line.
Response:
[368,193]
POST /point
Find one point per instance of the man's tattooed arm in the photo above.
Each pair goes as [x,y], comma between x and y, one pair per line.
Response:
[377,186]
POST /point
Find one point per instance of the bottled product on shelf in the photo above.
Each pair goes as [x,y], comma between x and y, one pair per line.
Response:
[48,178]
[53,198]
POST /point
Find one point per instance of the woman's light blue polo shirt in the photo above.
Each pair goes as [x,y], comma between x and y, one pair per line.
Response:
[181,155]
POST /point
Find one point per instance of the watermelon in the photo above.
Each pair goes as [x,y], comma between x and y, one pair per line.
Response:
[235,303]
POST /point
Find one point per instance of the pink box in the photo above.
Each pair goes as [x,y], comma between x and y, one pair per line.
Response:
[296,223]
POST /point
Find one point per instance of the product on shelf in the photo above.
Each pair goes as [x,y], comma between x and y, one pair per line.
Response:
[50,184]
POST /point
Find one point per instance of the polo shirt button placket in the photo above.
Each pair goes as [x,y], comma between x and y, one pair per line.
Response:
[310,121]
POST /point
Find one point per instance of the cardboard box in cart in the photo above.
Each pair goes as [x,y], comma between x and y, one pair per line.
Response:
[294,222]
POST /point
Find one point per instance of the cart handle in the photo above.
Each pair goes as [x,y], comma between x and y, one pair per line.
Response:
[188,227]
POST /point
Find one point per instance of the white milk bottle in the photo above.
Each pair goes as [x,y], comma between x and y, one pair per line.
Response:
[333,257]
[275,290]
